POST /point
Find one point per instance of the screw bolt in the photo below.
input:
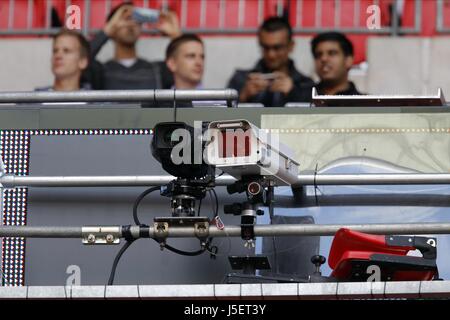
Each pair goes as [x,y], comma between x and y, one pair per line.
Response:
[91,238]
[109,238]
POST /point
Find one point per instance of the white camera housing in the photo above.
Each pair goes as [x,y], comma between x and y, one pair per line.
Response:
[239,148]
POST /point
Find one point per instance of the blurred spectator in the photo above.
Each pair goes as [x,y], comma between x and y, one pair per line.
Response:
[185,58]
[69,59]
[274,80]
[126,70]
[333,58]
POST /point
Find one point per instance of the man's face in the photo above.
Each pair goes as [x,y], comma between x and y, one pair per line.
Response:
[330,62]
[188,62]
[128,30]
[276,48]
[66,58]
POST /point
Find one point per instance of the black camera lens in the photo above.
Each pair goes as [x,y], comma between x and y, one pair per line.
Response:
[162,146]
[167,138]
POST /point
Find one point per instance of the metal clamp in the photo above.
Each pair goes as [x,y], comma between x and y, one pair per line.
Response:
[161,230]
[201,230]
[101,235]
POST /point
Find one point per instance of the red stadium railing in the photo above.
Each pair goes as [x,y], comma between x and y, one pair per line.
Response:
[235,17]
[227,16]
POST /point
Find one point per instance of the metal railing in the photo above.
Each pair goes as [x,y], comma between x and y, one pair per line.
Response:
[12,181]
[228,95]
[234,230]
[305,179]
[297,18]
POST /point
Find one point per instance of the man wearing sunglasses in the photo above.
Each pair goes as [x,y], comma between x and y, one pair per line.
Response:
[274,80]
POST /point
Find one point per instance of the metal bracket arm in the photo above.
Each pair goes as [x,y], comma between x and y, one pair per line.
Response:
[101,235]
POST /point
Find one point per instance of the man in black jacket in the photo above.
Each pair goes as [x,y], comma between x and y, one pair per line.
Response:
[126,70]
[274,80]
[333,58]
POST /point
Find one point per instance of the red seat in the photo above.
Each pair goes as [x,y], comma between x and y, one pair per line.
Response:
[20,14]
[352,252]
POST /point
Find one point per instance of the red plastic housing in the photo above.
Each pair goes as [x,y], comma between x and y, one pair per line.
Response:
[349,246]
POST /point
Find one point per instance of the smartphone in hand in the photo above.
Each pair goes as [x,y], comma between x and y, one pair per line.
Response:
[268,76]
[146,15]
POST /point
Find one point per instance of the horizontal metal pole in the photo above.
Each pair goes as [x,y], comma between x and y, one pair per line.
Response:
[118,96]
[395,199]
[374,179]
[11,181]
[296,31]
[40,232]
[29,32]
[224,31]
[317,230]
[235,231]
[443,30]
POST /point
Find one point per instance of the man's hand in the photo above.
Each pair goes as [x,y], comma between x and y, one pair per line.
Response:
[282,83]
[168,24]
[255,84]
[120,17]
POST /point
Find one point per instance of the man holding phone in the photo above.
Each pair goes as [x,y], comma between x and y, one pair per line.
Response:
[126,70]
[274,80]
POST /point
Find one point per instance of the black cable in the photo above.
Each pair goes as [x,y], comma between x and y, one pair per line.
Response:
[199,207]
[315,185]
[271,215]
[116,261]
[211,200]
[174,107]
[270,193]
[138,201]
[216,212]
[170,248]
[275,256]
[188,253]
[137,222]
[182,252]
[213,250]
[129,242]
[223,172]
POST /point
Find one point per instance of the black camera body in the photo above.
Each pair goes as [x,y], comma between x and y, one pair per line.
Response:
[194,178]
[162,147]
